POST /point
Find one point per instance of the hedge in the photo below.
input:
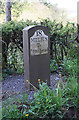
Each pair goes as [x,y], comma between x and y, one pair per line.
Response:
[61,38]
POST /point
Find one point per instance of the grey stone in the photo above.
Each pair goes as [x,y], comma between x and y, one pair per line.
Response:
[36,47]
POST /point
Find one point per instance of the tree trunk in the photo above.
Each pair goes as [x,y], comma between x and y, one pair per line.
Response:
[7,10]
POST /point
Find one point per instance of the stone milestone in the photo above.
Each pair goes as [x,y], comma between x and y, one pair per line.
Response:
[36,47]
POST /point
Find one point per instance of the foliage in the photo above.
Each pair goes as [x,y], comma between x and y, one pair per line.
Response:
[70,67]
[12,32]
[47,103]
[17,8]
[67,67]
[12,109]
[61,38]
[53,66]
[63,42]
[12,43]
[15,60]
[2,7]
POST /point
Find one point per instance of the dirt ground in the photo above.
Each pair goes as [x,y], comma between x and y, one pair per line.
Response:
[14,86]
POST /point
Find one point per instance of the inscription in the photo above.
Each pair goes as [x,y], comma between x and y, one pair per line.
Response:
[39,43]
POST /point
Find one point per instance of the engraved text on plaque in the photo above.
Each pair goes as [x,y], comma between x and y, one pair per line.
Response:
[39,43]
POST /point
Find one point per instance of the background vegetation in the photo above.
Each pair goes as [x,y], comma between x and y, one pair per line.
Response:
[63,44]
[29,10]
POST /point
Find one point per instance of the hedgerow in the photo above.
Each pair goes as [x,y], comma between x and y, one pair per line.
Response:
[63,41]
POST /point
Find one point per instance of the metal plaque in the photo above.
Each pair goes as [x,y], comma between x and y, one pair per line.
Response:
[39,43]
